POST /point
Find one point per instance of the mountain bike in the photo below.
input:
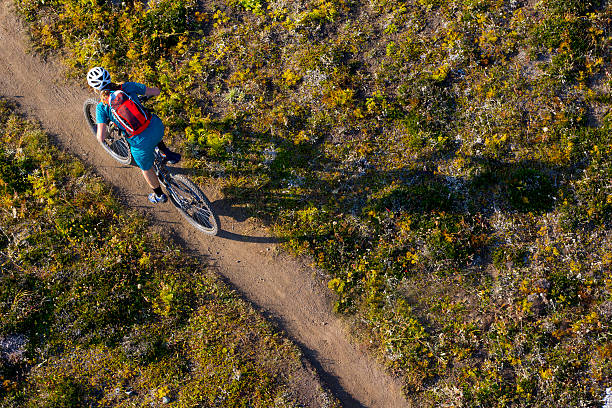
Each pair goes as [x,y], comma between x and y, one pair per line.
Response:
[188,199]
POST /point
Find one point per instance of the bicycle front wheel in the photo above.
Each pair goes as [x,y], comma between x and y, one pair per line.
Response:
[114,144]
[191,202]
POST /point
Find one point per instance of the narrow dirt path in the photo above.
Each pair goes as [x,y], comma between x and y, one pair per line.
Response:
[282,287]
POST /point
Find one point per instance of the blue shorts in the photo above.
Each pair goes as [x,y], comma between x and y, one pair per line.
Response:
[143,144]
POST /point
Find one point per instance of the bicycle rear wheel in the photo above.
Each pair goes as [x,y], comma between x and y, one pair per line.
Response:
[114,144]
[191,202]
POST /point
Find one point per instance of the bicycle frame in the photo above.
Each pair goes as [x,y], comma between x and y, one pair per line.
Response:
[160,169]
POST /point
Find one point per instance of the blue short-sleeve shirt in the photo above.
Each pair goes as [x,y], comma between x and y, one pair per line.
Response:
[143,144]
[103,111]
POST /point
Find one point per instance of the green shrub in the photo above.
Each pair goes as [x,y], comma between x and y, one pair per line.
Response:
[561,7]
[66,392]
[14,173]
[424,196]
[530,190]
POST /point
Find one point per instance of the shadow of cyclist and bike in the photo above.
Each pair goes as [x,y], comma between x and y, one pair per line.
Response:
[524,186]
[231,208]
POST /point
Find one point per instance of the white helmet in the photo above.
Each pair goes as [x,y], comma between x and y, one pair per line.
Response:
[98,78]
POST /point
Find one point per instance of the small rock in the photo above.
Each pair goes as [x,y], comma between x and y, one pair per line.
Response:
[13,348]
[537,301]
[543,284]
[605,309]
[165,400]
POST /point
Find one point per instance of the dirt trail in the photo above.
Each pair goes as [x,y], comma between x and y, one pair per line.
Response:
[282,287]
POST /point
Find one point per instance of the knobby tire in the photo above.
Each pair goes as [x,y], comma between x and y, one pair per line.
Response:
[191,202]
[114,144]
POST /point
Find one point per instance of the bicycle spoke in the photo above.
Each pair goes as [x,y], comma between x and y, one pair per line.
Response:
[191,204]
[119,147]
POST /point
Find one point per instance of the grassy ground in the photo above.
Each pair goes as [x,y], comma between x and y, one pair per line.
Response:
[447,162]
[96,310]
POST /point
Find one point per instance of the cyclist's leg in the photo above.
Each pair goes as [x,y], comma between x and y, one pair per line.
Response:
[151,178]
[157,196]
[162,147]
[168,155]
[143,147]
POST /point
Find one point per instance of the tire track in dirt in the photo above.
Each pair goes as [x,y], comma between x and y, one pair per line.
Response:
[285,289]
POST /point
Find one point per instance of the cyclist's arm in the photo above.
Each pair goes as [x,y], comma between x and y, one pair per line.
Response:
[102,132]
[152,91]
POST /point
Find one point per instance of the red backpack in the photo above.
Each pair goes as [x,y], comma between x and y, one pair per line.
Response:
[133,117]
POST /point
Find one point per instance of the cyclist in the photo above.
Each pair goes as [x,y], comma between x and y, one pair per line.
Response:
[143,140]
